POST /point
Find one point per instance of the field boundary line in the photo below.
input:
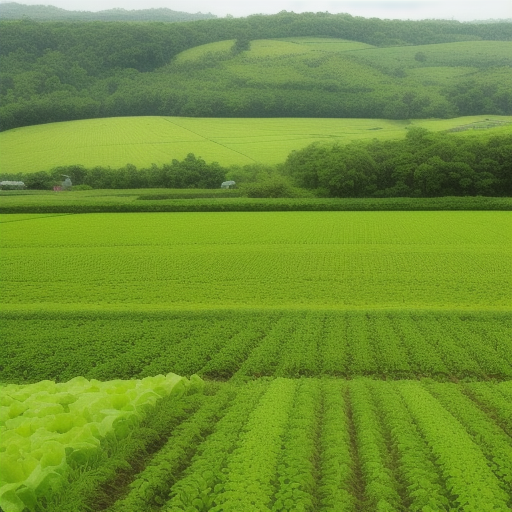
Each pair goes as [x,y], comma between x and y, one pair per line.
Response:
[209,140]
[34,218]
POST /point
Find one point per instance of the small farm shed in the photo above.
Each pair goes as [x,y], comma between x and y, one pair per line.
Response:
[227,184]
[66,184]
[11,185]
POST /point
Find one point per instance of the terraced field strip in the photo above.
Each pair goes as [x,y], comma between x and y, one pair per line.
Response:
[467,53]
[114,142]
[262,48]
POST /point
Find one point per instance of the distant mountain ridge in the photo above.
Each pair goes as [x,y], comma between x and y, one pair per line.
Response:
[16,11]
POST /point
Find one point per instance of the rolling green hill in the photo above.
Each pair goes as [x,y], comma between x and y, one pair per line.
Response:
[328,77]
[145,140]
[287,65]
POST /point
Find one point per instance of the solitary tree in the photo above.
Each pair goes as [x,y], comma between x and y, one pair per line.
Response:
[242,44]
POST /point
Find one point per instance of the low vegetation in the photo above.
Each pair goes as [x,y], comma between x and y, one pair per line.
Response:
[43,203]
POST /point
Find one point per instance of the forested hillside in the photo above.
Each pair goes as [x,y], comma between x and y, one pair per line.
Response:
[15,11]
[341,66]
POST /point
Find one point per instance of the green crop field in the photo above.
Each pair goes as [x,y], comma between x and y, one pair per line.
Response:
[467,55]
[272,445]
[473,54]
[452,260]
[145,140]
[349,361]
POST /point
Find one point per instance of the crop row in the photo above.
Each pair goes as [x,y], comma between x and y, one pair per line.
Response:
[392,451]
[223,344]
[290,275]
[326,444]
[398,229]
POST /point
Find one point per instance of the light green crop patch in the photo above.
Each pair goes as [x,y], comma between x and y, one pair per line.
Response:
[204,51]
[47,427]
[115,142]
[467,53]
[271,48]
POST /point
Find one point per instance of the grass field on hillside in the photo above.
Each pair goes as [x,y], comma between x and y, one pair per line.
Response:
[468,55]
[473,54]
[142,141]
[329,77]
[270,48]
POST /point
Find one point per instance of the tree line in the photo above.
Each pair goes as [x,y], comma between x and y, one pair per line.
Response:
[424,164]
[15,11]
[191,172]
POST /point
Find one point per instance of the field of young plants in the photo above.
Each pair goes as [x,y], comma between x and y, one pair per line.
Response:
[269,260]
[256,361]
[142,141]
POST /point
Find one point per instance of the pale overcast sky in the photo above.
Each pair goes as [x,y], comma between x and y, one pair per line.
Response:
[401,9]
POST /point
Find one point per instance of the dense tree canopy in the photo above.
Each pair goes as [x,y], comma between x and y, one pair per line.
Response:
[424,164]
[15,11]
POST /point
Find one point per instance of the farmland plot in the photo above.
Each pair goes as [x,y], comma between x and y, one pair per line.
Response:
[353,361]
[246,344]
[333,260]
[318,445]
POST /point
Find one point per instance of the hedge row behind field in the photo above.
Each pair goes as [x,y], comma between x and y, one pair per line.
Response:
[259,205]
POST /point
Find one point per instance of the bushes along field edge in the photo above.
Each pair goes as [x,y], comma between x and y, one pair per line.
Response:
[270,205]
[423,165]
